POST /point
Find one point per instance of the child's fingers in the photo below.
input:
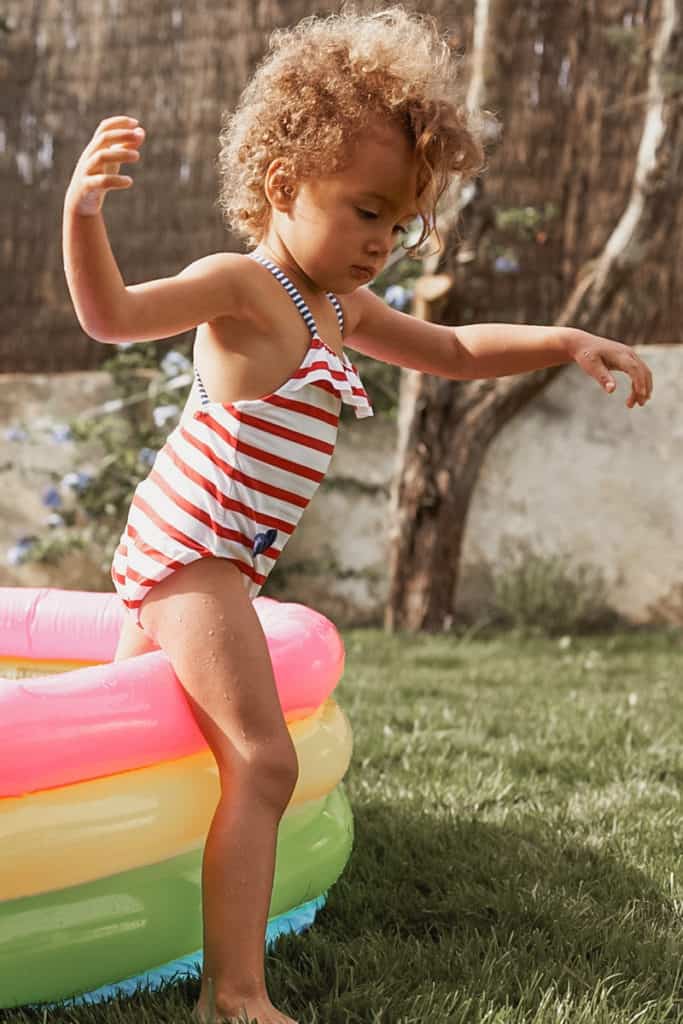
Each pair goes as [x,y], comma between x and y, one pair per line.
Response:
[619,357]
[641,378]
[640,391]
[117,120]
[109,181]
[113,127]
[114,140]
[120,133]
[115,155]
[592,364]
[597,356]
[129,138]
[126,139]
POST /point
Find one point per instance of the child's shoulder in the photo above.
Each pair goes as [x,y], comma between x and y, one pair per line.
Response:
[233,267]
[236,275]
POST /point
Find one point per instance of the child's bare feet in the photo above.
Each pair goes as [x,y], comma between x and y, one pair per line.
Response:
[258,1010]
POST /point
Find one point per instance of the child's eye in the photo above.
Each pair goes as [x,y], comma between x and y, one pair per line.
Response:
[371,215]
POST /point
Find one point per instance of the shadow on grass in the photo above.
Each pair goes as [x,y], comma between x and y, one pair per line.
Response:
[499,913]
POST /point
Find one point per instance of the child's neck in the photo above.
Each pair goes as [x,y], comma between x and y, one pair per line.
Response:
[275,250]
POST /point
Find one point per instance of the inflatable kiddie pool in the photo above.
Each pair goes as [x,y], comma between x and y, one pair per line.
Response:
[107,790]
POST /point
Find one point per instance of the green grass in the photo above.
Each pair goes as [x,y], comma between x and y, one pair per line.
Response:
[518,846]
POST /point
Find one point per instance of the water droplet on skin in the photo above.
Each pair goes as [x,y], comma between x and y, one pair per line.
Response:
[211,632]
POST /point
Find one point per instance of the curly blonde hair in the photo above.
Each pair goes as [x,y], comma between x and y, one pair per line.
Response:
[321,83]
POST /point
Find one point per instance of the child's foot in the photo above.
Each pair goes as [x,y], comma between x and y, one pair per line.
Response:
[253,1011]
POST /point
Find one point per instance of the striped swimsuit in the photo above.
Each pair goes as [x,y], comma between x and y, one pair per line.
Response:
[233,479]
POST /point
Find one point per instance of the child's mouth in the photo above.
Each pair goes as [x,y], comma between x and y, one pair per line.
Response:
[366,273]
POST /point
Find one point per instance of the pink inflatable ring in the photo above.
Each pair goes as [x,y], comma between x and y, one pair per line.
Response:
[116,716]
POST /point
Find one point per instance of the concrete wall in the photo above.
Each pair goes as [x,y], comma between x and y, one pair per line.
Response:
[576,473]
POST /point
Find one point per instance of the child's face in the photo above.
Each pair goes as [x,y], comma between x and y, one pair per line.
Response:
[341,223]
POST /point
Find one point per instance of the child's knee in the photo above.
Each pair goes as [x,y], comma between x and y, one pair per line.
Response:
[267,772]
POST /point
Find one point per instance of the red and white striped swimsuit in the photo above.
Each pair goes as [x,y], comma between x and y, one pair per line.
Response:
[232,480]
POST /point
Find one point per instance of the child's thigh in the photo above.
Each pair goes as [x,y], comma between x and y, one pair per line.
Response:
[132,640]
[203,619]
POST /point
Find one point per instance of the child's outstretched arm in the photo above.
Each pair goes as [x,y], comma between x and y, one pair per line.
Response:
[477,351]
[107,309]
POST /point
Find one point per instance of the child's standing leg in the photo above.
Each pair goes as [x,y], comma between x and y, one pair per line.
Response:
[203,619]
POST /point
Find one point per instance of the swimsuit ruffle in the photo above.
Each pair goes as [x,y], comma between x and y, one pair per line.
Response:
[341,374]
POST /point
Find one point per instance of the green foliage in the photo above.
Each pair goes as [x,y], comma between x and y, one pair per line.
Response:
[549,594]
[128,430]
[627,43]
[404,271]
[525,221]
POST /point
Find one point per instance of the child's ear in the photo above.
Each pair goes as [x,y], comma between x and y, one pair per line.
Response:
[279,186]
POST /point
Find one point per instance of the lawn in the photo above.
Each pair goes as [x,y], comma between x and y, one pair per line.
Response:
[518,841]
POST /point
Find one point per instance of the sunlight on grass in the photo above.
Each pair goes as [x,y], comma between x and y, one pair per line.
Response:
[518,847]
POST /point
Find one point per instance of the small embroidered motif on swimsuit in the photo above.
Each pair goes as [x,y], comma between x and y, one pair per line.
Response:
[263,541]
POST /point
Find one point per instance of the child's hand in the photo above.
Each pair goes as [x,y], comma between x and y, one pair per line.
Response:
[116,141]
[597,356]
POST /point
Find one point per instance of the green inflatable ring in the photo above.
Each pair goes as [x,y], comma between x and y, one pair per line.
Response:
[56,944]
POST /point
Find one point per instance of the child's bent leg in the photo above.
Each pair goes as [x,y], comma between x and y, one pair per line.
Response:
[203,619]
[132,640]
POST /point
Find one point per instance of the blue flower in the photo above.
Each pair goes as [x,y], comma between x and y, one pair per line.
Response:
[262,541]
[506,265]
[77,481]
[147,456]
[61,432]
[397,296]
[175,362]
[52,498]
[15,434]
[162,413]
[17,554]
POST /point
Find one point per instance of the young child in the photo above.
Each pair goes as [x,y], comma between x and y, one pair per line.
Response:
[349,129]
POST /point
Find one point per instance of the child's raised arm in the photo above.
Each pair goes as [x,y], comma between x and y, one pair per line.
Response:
[479,351]
[106,308]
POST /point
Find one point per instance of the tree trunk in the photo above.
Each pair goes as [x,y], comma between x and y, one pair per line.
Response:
[445,427]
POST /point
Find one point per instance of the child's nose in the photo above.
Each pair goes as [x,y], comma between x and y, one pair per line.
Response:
[380,246]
